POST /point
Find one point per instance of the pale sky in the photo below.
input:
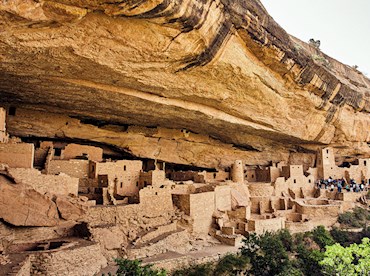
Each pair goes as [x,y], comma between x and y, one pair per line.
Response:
[342,26]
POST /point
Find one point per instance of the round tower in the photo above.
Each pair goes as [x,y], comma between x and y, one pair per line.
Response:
[237,172]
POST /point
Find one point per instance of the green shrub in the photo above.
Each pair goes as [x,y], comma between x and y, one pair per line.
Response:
[350,261]
[357,218]
[340,236]
[135,268]
[322,237]
[308,260]
[365,233]
[267,254]
[286,238]
[232,264]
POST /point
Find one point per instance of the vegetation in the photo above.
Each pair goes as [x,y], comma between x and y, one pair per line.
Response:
[351,260]
[135,268]
[357,218]
[322,237]
[321,60]
[315,253]
[231,264]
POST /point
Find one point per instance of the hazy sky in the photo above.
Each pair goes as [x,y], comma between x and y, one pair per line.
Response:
[342,26]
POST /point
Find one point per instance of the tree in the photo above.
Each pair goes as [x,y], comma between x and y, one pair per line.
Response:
[266,253]
[322,237]
[349,261]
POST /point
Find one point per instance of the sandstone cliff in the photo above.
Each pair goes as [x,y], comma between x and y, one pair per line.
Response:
[185,81]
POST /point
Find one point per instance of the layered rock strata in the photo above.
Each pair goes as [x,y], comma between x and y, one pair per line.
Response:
[223,69]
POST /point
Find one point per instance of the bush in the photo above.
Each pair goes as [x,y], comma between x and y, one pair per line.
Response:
[286,238]
[322,237]
[351,260]
[135,268]
[361,214]
[357,218]
[348,219]
[340,236]
[232,265]
[308,260]
[267,254]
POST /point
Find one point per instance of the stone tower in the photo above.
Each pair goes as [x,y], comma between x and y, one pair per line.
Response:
[237,172]
[3,135]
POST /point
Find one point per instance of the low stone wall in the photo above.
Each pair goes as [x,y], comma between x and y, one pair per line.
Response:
[158,232]
[85,259]
[318,212]
[350,196]
[178,242]
[263,225]
[210,254]
[299,227]
[17,235]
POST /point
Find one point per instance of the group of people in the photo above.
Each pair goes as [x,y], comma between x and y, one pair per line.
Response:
[340,184]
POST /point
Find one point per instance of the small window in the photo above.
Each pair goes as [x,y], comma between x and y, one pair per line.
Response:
[214,175]
[364,162]
[121,184]
[57,152]
[156,193]
[252,175]
[137,184]
[327,151]
[12,111]
[295,181]
[124,167]
[309,180]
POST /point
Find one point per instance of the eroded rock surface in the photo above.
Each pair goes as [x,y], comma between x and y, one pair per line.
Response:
[222,69]
[22,206]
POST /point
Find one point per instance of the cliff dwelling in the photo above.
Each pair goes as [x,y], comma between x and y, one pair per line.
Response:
[150,133]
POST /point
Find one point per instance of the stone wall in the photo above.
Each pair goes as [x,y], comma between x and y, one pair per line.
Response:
[350,196]
[16,235]
[318,212]
[155,200]
[155,178]
[201,210]
[115,227]
[186,175]
[266,225]
[17,155]
[126,174]
[222,198]
[71,151]
[54,184]
[74,168]
[85,259]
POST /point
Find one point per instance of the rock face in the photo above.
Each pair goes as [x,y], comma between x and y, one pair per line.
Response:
[70,208]
[21,206]
[223,72]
